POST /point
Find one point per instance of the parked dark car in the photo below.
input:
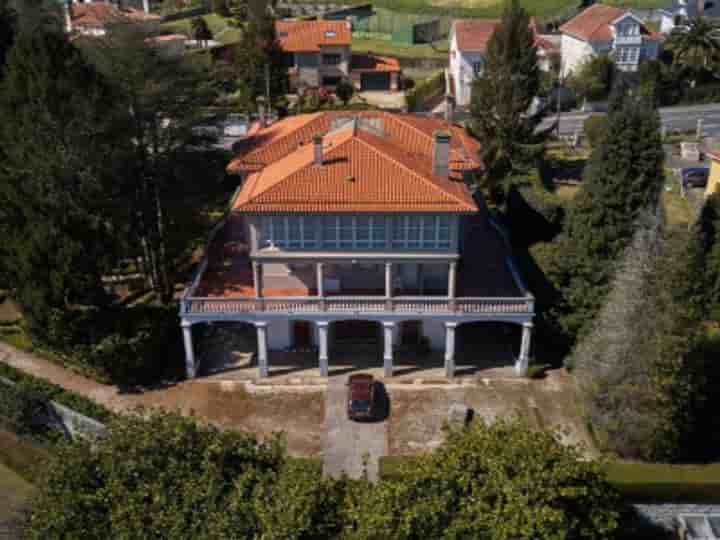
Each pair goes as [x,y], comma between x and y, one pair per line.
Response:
[695,176]
[361,397]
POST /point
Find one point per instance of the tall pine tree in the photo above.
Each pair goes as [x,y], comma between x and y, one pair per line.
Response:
[502,97]
[55,177]
[623,179]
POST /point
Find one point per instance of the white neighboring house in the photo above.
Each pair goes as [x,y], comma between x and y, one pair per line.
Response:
[602,29]
[468,44]
[681,10]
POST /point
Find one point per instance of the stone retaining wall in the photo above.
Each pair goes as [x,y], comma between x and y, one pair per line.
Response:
[664,514]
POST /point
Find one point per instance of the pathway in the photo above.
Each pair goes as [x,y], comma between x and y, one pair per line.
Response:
[350,447]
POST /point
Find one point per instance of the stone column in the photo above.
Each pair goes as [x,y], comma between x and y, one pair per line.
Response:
[320,277]
[323,347]
[189,352]
[388,280]
[450,349]
[452,278]
[262,348]
[388,328]
[521,364]
[257,278]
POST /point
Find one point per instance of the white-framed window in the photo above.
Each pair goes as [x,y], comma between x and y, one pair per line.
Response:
[627,55]
[295,232]
[628,29]
[353,232]
[421,232]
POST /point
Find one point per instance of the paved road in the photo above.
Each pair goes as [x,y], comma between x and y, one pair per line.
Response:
[673,118]
[350,447]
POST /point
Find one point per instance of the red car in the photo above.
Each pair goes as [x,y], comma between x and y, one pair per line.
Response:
[361,393]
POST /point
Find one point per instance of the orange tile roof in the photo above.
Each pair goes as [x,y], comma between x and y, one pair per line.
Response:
[309,36]
[371,62]
[98,14]
[361,172]
[714,154]
[593,24]
[474,34]
[413,132]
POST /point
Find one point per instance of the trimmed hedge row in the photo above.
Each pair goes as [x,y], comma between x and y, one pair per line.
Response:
[40,389]
[636,482]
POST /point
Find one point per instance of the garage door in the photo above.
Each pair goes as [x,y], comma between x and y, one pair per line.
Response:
[375,81]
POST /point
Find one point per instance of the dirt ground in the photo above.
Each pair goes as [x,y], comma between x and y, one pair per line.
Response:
[418,413]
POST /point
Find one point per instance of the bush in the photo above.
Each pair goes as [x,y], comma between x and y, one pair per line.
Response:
[594,127]
[344,91]
[33,389]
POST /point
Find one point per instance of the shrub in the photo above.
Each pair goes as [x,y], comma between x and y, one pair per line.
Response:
[344,91]
[425,89]
[594,127]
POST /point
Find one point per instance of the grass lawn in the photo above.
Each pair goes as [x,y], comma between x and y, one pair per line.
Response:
[388,48]
[219,26]
[655,481]
[14,494]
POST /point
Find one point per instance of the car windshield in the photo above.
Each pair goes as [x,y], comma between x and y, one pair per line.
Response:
[360,404]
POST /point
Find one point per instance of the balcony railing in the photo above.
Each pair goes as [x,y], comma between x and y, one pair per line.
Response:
[356,304]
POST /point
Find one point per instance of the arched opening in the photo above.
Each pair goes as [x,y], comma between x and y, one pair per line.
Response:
[486,345]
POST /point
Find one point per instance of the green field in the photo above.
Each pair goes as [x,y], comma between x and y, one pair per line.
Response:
[493,8]
[220,27]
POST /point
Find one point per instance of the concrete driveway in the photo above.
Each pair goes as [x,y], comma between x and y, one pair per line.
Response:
[353,448]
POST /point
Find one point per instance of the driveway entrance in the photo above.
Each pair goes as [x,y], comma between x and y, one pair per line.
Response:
[351,447]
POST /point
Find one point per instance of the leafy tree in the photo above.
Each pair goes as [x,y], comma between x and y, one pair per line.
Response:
[259,62]
[636,364]
[501,482]
[344,90]
[8,21]
[166,99]
[622,180]
[155,475]
[593,79]
[696,44]
[502,96]
[57,188]
[201,31]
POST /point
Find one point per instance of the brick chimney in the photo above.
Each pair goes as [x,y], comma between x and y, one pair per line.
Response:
[441,153]
[317,149]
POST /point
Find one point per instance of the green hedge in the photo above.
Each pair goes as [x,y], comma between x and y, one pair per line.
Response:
[425,89]
[40,389]
[637,482]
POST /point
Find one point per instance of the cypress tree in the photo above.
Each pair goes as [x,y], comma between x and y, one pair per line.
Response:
[8,19]
[623,178]
[503,95]
[55,180]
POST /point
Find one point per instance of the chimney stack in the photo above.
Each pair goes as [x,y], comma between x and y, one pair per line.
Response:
[262,118]
[441,153]
[317,148]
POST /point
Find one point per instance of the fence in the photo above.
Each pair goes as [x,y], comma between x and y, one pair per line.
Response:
[52,414]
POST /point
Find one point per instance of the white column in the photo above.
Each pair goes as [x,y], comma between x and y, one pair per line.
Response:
[262,348]
[388,280]
[388,328]
[452,274]
[146,6]
[320,284]
[450,349]
[323,347]
[257,278]
[189,352]
[521,364]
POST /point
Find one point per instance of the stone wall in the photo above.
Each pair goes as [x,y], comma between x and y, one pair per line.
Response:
[663,514]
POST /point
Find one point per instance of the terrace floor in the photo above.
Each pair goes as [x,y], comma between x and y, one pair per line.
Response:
[482,271]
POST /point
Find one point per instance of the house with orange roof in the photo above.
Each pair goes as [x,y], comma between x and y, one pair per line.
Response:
[93,17]
[358,229]
[602,29]
[319,54]
[468,45]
